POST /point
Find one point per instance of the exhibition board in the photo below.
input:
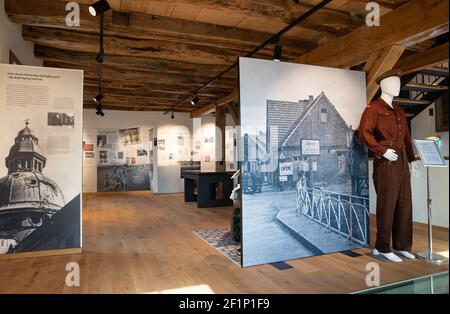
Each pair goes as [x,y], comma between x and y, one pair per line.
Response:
[304,170]
[41,178]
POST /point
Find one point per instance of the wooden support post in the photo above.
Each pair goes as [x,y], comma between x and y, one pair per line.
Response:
[220,138]
[234,112]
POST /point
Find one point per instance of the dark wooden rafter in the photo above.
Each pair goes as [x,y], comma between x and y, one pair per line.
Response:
[331,22]
[126,62]
[430,20]
[51,14]
[158,59]
[421,60]
[151,49]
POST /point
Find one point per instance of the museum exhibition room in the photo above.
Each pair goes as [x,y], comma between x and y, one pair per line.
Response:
[240,147]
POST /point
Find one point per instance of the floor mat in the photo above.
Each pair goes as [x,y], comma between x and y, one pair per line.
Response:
[221,240]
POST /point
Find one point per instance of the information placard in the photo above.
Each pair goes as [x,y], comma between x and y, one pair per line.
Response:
[429,153]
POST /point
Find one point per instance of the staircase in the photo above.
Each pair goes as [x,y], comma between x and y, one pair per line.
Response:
[421,89]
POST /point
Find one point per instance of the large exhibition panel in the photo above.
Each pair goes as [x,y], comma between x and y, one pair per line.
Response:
[304,171]
[41,151]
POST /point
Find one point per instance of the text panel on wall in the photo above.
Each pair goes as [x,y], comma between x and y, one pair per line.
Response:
[304,171]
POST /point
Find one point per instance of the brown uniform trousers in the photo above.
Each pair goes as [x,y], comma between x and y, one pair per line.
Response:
[394,206]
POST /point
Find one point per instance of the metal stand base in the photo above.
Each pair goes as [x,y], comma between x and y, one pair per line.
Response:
[432,258]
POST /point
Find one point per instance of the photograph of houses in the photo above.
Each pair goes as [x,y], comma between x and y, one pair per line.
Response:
[304,171]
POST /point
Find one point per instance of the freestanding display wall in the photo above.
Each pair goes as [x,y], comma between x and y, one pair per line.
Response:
[304,171]
[123,162]
[41,159]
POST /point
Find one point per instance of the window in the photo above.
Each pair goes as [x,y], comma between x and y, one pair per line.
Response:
[323,115]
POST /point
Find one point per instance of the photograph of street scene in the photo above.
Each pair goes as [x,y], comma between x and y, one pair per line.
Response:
[304,176]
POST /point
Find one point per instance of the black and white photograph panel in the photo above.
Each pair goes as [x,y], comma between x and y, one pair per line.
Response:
[304,171]
[130,136]
[37,210]
[61,119]
[41,172]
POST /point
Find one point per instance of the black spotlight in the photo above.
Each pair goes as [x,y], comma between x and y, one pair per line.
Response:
[101,56]
[277,51]
[98,98]
[194,101]
[99,7]
[100,111]
[172,116]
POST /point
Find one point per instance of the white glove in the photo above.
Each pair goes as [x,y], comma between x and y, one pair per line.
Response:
[414,169]
[390,155]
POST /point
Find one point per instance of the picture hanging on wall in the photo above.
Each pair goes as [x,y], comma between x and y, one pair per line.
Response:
[89,155]
[130,136]
[304,171]
[102,141]
[180,140]
[161,144]
[87,147]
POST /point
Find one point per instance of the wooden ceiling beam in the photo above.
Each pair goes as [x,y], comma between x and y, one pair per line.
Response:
[145,48]
[112,106]
[120,46]
[141,88]
[129,100]
[147,77]
[52,14]
[409,24]
[122,84]
[413,22]
[129,63]
[330,21]
[163,95]
[380,62]
[425,59]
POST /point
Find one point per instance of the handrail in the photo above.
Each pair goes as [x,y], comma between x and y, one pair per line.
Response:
[320,206]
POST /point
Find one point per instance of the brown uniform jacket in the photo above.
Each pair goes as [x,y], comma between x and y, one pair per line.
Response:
[382,127]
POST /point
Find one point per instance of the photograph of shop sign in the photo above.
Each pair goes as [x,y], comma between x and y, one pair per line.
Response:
[304,172]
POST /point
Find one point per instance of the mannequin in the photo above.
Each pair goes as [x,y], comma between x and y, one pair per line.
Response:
[384,130]
[390,88]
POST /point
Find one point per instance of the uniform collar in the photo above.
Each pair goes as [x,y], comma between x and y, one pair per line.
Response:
[394,107]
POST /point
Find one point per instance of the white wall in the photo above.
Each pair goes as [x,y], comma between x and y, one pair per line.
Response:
[439,195]
[421,127]
[11,39]
[205,127]
[168,175]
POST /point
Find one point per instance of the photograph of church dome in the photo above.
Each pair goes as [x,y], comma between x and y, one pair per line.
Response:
[32,206]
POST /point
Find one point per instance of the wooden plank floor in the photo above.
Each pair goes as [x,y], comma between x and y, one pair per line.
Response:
[139,242]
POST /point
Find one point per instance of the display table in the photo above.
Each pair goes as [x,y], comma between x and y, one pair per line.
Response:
[213,188]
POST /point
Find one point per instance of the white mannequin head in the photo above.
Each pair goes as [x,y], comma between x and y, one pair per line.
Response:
[391,86]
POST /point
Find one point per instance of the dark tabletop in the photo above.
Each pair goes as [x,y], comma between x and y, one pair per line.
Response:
[206,173]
